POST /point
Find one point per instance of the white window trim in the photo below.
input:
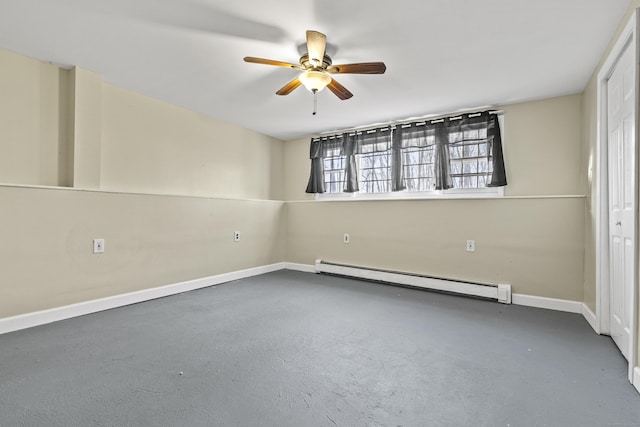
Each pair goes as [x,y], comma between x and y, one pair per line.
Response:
[453,193]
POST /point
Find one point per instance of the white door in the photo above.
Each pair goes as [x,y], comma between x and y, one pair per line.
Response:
[622,199]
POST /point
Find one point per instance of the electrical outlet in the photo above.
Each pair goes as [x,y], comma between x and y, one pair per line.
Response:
[98,246]
[345,238]
[471,245]
[236,236]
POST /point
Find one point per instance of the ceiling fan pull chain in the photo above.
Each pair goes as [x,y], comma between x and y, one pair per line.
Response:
[315,101]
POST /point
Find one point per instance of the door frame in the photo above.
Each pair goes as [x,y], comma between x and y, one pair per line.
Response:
[627,39]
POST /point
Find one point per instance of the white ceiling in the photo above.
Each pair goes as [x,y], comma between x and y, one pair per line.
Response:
[441,55]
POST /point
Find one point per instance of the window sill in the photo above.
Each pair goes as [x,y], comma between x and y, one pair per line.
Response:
[481,193]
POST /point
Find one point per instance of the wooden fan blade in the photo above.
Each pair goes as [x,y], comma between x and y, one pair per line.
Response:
[270,62]
[339,90]
[361,68]
[316,45]
[289,87]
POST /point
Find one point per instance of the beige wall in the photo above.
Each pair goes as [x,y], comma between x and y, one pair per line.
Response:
[85,133]
[33,121]
[533,244]
[46,254]
[542,147]
[150,146]
[69,128]
[532,239]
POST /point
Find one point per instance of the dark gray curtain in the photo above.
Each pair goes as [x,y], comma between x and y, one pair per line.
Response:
[350,149]
[480,128]
[316,178]
[445,135]
[397,179]
[498,176]
[427,135]
[442,165]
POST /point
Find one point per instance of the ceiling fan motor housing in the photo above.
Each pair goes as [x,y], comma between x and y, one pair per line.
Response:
[306,64]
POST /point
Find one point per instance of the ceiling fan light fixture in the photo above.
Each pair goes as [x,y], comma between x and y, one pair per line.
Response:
[315,81]
[317,69]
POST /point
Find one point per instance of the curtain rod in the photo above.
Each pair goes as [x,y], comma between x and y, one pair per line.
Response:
[419,121]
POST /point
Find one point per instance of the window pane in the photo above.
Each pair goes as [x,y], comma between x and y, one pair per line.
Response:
[470,182]
[334,164]
[470,158]
[375,168]
[456,167]
[470,167]
[418,168]
[471,150]
[456,152]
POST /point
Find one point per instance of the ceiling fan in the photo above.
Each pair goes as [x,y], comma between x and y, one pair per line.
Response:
[316,69]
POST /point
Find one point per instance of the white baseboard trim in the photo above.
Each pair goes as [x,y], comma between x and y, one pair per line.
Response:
[568,306]
[306,268]
[28,320]
[636,378]
[590,317]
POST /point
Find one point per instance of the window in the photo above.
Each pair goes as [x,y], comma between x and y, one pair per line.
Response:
[469,158]
[334,170]
[462,153]
[418,158]
[374,162]
[418,169]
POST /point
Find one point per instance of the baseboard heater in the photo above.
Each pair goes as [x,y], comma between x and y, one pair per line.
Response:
[500,293]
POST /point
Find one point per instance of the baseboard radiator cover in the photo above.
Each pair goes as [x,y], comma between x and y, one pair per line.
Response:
[500,292]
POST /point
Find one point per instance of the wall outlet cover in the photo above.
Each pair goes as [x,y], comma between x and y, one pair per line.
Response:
[471,245]
[98,246]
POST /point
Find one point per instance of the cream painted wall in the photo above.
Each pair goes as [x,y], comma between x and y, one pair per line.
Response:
[46,255]
[59,129]
[542,147]
[296,175]
[150,146]
[85,134]
[33,121]
[535,244]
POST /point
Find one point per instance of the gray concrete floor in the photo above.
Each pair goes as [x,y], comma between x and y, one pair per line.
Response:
[299,349]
